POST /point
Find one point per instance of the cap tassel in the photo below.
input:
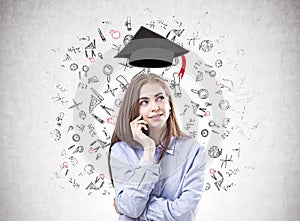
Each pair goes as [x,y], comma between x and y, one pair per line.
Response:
[182,70]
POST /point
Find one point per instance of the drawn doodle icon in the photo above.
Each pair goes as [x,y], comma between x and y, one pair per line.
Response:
[101,35]
[56,134]
[207,187]
[60,118]
[218,63]
[85,68]
[199,76]
[224,104]
[118,102]
[204,133]
[123,82]
[79,149]
[98,156]
[128,23]
[214,152]
[212,73]
[93,79]
[127,39]
[212,123]
[115,34]
[225,122]
[108,70]
[202,93]
[73,67]
[82,115]
[206,45]
[89,169]
[76,137]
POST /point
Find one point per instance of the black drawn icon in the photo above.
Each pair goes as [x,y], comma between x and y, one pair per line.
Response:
[59,118]
[123,82]
[206,45]
[101,35]
[175,84]
[95,100]
[73,67]
[108,70]
[204,133]
[202,93]
[128,23]
[214,152]
[224,104]
[76,137]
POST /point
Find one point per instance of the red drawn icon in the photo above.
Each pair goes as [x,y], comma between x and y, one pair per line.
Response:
[101,176]
[115,34]
[218,83]
[212,171]
[92,59]
[65,164]
[111,120]
[91,150]
[206,113]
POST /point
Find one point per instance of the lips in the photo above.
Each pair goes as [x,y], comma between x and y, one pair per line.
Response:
[156,116]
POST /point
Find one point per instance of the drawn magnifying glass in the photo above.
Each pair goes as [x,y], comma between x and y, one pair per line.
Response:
[202,93]
[108,70]
[79,149]
[212,123]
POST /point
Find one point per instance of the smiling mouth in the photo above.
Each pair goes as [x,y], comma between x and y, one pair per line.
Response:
[156,116]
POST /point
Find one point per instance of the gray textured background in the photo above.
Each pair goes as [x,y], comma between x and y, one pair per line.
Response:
[269,32]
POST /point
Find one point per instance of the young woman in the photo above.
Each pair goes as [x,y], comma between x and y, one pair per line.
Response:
[157,171]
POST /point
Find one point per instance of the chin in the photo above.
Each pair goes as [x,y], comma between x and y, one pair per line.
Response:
[158,124]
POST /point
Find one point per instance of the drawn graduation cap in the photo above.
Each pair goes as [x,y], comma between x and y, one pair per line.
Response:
[148,49]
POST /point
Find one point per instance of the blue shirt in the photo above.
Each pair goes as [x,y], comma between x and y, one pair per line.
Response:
[168,190]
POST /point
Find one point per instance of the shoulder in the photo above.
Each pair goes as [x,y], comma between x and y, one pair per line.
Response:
[122,151]
[120,147]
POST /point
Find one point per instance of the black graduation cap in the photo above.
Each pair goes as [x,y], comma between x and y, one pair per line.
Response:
[150,50]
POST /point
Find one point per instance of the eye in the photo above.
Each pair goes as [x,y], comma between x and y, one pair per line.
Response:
[143,102]
[160,98]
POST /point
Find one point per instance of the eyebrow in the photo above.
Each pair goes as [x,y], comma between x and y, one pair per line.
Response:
[156,95]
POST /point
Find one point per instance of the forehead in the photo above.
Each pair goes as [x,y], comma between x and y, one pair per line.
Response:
[151,89]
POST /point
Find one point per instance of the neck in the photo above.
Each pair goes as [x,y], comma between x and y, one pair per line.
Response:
[157,134]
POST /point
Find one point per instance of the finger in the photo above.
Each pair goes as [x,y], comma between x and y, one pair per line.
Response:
[142,126]
[142,122]
[136,119]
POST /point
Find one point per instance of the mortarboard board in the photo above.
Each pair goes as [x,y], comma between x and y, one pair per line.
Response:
[148,49]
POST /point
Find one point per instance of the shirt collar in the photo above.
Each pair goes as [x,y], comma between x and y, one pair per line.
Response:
[171,149]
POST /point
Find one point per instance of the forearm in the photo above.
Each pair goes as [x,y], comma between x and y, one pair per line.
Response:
[181,209]
[133,188]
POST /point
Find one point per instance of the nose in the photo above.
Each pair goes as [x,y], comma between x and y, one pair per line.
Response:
[154,106]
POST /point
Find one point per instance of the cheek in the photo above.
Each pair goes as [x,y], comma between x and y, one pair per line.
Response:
[167,108]
[143,111]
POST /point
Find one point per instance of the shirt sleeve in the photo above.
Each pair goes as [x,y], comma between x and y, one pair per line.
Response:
[133,182]
[184,207]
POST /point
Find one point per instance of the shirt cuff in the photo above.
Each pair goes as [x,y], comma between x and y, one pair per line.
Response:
[148,165]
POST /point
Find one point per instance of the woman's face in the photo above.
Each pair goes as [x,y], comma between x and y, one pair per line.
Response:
[154,105]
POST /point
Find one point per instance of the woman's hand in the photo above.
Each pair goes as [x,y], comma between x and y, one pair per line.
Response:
[115,205]
[149,144]
[136,128]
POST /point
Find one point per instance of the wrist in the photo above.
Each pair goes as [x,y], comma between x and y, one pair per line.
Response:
[149,153]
